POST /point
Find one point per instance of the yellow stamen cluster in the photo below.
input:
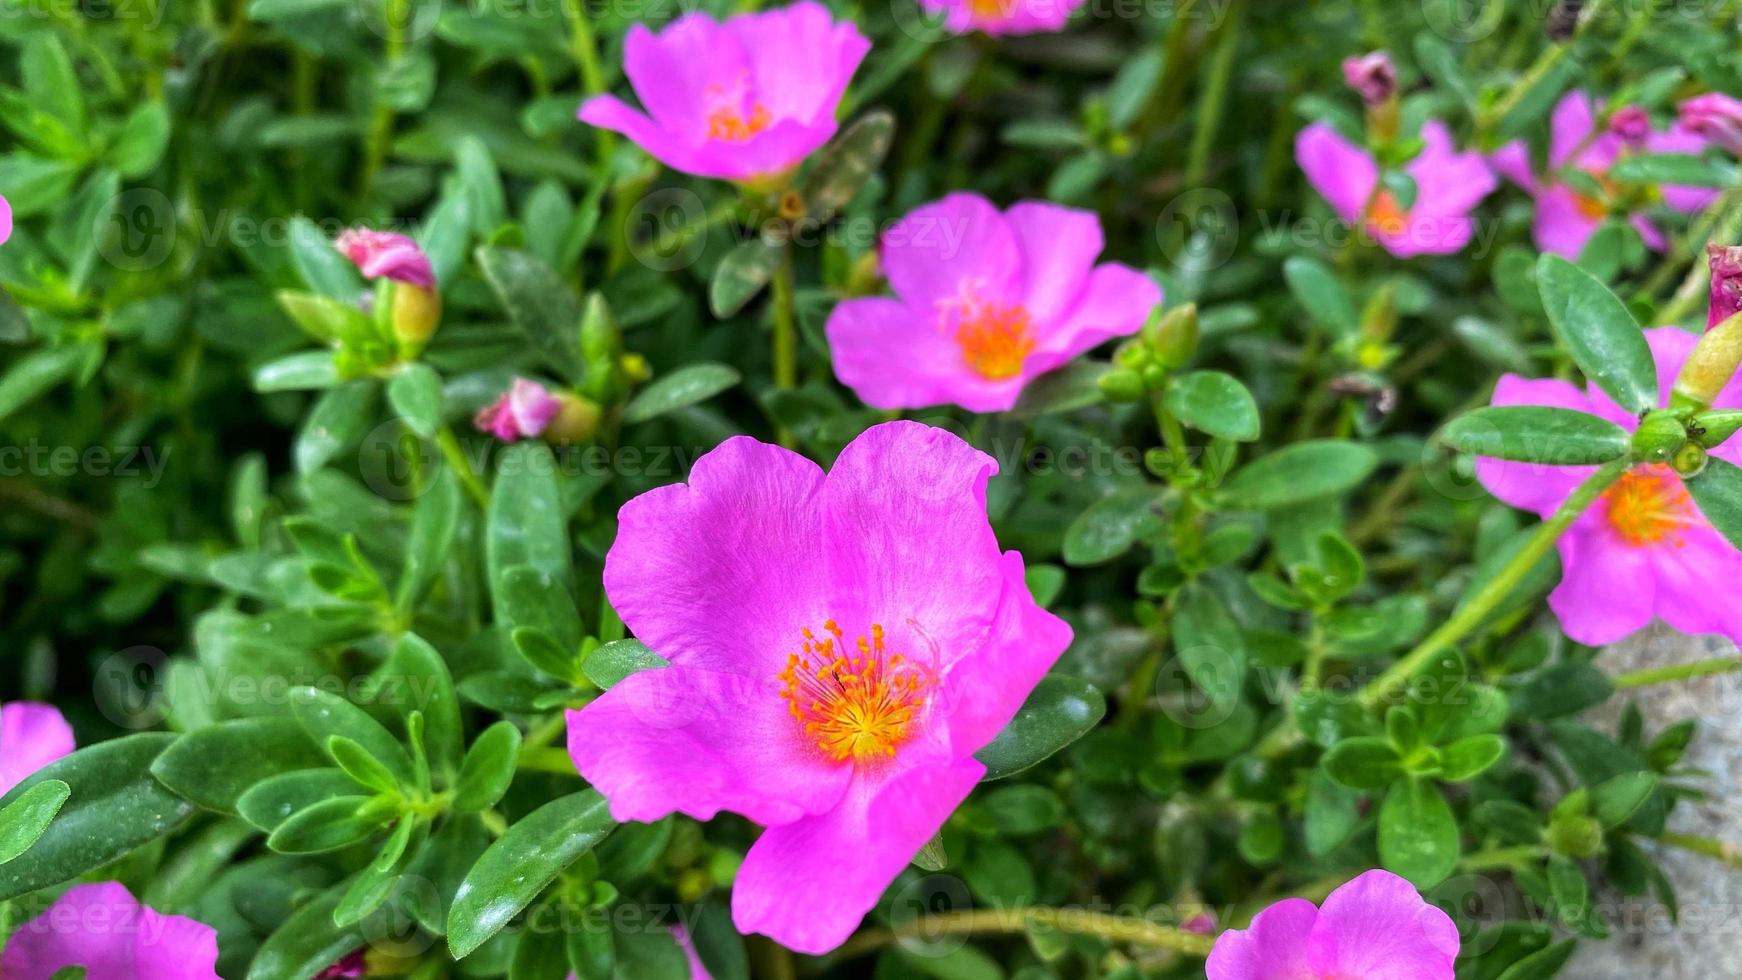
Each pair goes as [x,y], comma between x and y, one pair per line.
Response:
[1648,504]
[727,118]
[858,703]
[995,337]
[1386,215]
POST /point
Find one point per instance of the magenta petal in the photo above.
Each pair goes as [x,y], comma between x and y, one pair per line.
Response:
[1450,183]
[610,112]
[937,249]
[1535,487]
[103,929]
[1561,227]
[1274,947]
[724,571]
[893,356]
[698,969]
[775,150]
[808,884]
[1115,302]
[1571,123]
[1378,928]
[1685,567]
[986,690]
[32,735]
[5,220]
[672,71]
[691,741]
[801,59]
[908,543]
[1512,161]
[1687,200]
[1342,173]
[1059,246]
[1607,590]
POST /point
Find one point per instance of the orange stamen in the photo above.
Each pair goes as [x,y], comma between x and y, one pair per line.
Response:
[995,337]
[1648,504]
[858,703]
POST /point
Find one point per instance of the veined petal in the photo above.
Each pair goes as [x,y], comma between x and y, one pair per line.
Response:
[985,690]
[1378,928]
[32,735]
[1274,947]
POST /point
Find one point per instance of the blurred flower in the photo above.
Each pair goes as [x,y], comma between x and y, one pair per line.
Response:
[523,412]
[104,929]
[1715,117]
[1374,926]
[386,255]
[984,302]
[1004,16]
[1448,185]
[1565,217]
[841,645]
[1726,262]
[31,736]
[698,971]
[1372,76]
[5,220]
[1643,550]
[745,100]
[1631,124]
[352,965]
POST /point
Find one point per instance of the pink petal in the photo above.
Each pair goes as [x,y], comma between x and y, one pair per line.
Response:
[1115,302]
[936,250]
[532,406]
[686,740]
[775,150]
[1648,233]
[698,969]
[1569,127]
[1535,487]
[800,58]
[386,255]
[724,571]
[1449,183]
[1561,228]
[610,112]
[672,71]
[1686,565]
[1059,246]
[1512,161]
[894,356]
[1274,947]
[32,735]
[102,928]
[1607,590]
[5,220]
[808,884]
[1378,928]
[1342,173]
[986,690]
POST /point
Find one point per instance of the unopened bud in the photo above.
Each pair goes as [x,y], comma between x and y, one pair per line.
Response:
[1689,460]
[1726,302]
[600,338]
[1714,428]
[1710,366]
[577,421]
[1577,837]
[1659,436]
[1372,76]
[1716,117]
[1631,124]
[1173,335]
[1121,385]
[865,276]
[416,314]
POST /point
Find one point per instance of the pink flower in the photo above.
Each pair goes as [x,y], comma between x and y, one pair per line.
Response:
[1643,550]
[384,254]
[1004,16]
[5,220]
[1376,927]
[1448,184]
[103,929]
[1566,218]
[841,645]
[1715,117]
[523,412]
[983,303]
[1726,297]
[744,100]
[31,736]
[1372,76]
[1631,125]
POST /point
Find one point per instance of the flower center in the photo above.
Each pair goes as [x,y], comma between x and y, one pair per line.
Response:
[728,117]
[1648,504]
[990,9]
[995,337]
[1386,215]
[858,703]
[1595,208]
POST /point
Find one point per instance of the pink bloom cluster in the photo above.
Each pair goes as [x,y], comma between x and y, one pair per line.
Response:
[387,255]
[104,929]
[524,411]
[1566,218]
[1376,927]
[841,644]
[1009,17]
[1643,551]
[984,302]
[743,100]
[1448,185]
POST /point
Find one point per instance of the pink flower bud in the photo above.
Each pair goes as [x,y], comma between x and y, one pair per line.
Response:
[1632,124]
[1202,924]
[1372,76]
[1715,116]
[522,412]
[385,255]
[353,965]
[1726,283]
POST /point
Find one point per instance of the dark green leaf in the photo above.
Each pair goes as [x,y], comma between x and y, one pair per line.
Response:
[682,388]
[1299,472]
[1537,434]
[1214,402]
[1718,491]
[1418,836]
[215,765]
[1060,710]
[1599,332]
[26,819]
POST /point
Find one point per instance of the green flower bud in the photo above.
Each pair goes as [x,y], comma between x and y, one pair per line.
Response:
[1711,429]
[1575,836]
[416,314]
[576,422]
[1711,365]
[1121,385]
[1659,436]
[1173,335]
[1689,460]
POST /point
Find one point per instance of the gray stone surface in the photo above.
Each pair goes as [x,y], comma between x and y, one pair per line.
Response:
[1708,943]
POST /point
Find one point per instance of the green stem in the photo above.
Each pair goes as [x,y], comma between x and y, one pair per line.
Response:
[584,48]
[1501,858]
[1678,672]
[1544,64]
[1076,922]
[785,331]
[449,444]
[381,129]
[1215,95]
[1497,589]
[1717,850]
[546,759]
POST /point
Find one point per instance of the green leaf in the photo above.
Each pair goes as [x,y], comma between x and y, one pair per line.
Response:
[360,765]
[1133,86]
[337,422]
[329,825]
[326,319]
[488,769]
[1437,59]
[1542,964]
[26,819]
[309,370]
[1297,473]
[1060,710]
[1537,434]
[1332,813]
[1614,801]
[415,392]
[322,267]
[1110,526]
[688,385]
[1209,644]
[847,163]
[742,274]
[35,373]
[528,524]
[1718,491]
[1214,402]
[1316,287]
[618,659]
[50,81]
[1684,169]
[1599,332]
[270,802]
[1418,836]
[115,807]
[308,942]
[143,138]
[416,678]
[434,525]
[323,715]
[1364,762]
[215,765]
[517,867]
[1469,757]
[539,303]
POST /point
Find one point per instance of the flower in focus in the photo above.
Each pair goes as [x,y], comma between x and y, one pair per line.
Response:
[1371,76]
[745,100]
[1714,117]
[1726,301]
[1566,217]
[1448,185]
[1643,550]
[984,302]
[104,929]
[841,644]
[31,736]
[1375,926]
[387,255]
[522,412]
[1004,17]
